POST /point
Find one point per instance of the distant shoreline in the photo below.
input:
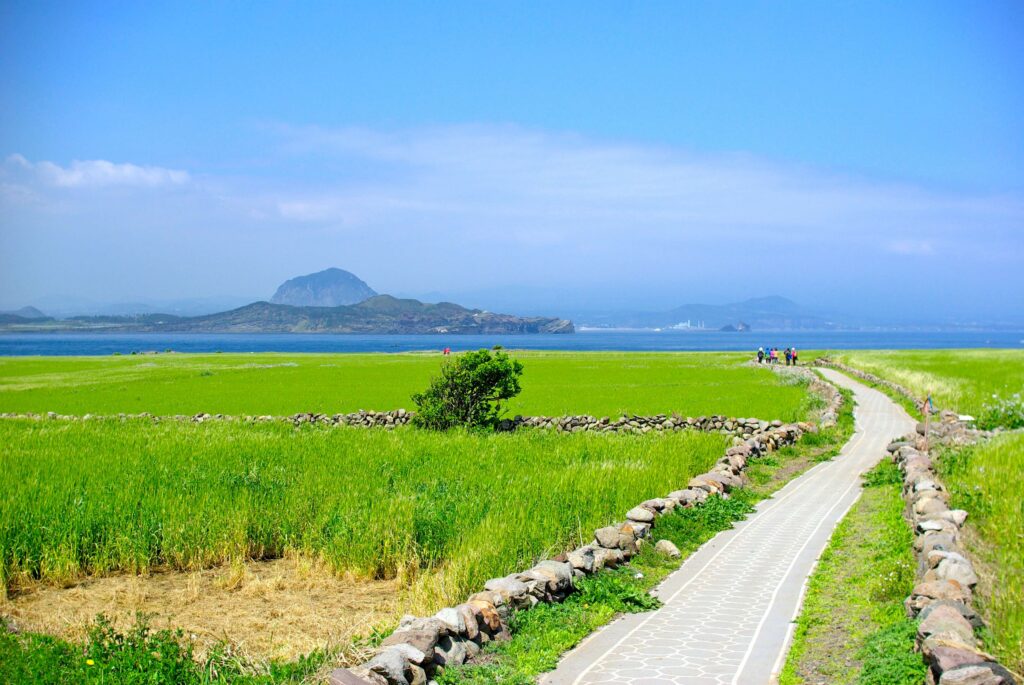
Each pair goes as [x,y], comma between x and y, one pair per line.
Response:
[93,343]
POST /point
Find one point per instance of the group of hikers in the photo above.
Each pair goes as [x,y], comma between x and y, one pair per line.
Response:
[771,355]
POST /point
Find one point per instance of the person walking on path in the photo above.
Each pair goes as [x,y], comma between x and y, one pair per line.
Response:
[760,355]
[793,352]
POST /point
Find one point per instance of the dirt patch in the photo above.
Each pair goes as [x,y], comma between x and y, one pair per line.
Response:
[276,609]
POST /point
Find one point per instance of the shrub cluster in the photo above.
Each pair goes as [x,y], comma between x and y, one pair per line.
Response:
[469,390]
[1002,413]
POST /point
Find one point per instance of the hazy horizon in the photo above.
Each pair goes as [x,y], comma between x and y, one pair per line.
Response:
[860,158]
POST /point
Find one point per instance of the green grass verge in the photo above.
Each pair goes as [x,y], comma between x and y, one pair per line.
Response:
[962,380]
[445,511]
[852,628]
[554,383]
[987,480]
[139,656]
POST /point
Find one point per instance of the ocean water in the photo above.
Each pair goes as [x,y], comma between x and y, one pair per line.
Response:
[20,344]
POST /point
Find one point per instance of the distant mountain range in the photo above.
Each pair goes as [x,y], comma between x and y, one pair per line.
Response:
[338,301]
[380,314]
[25,315]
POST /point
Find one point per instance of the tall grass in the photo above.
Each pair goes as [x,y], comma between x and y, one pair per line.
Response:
[443,511]
[554,383]
[987,480]
[963,380]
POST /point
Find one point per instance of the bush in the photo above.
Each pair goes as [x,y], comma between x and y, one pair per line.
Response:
[469,391]
[1000,413]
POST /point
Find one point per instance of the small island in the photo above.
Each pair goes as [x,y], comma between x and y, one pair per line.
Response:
[330,301]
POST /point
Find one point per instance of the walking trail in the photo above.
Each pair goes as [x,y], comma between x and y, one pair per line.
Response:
[728,611]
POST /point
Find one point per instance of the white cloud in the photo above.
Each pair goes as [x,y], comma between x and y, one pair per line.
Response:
[98,173]
[449,208]
[525,180]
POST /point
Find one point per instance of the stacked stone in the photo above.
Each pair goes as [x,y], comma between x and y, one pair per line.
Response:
[941,599]
[420,647]
[739,427]
[640,424]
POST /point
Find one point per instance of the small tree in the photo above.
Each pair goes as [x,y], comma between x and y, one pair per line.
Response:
[469,391]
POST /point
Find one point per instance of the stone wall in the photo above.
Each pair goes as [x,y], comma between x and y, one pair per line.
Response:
[739,427]
[942,598]
[421,646]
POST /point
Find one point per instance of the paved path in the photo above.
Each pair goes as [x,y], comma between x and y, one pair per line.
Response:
[728,611]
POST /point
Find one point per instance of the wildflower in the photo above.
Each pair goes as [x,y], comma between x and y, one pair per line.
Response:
[90,662]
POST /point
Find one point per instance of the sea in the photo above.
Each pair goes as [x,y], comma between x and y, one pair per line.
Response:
[99,344]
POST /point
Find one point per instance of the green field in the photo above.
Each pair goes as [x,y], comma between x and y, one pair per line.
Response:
[601,384]
[987,480]
[962,380]
[456,509]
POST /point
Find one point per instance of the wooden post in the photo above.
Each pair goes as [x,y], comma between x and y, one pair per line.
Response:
[927,416]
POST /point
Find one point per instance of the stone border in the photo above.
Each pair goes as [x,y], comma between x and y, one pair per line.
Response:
[941,599]
[738,427]
[420,647]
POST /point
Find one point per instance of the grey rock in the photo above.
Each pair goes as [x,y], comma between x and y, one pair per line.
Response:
[391,664]
[951,569]
[640,514]
[667,548]
[450,651]
[343,676]
[960,607]
[987,673]
[607,537]
[455,622]
[945,620]
[582,559]
[509,586]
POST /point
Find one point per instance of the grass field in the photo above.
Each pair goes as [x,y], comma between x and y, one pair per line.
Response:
[962,380]
[441,511]
[987,480]
[601,384]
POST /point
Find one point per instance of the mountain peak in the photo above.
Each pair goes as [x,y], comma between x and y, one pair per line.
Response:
[27,313]
[332,287]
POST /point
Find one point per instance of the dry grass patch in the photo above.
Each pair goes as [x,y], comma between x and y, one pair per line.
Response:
[278,609]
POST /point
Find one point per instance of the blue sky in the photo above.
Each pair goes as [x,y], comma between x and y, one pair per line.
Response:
[843,154]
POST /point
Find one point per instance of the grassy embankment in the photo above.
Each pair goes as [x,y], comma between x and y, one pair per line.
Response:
[554,383]
[962,380]
[986,480]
